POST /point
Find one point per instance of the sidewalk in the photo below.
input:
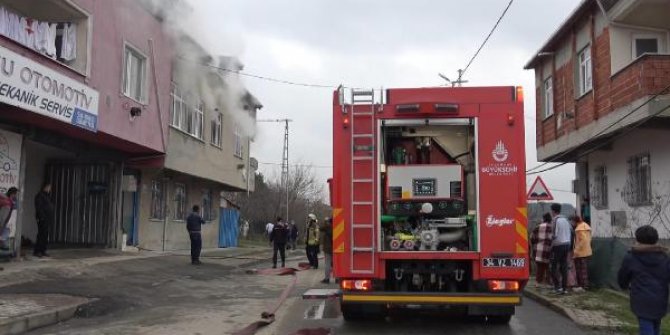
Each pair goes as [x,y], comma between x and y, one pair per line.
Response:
[22,312]
[72,262]
[598,308]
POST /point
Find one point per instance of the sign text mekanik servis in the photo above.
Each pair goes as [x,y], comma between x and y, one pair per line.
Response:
[34,87]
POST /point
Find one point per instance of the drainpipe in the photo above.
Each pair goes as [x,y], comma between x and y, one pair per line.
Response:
[165,209]
[156,90]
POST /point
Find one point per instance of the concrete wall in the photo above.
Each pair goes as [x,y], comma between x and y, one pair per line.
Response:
[658,213]
[200,158]
[150,232]
[621,41]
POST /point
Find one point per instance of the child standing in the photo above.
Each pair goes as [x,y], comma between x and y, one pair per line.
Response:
[646,272]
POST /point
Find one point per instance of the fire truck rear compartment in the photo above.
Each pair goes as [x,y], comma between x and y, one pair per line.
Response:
[428,187]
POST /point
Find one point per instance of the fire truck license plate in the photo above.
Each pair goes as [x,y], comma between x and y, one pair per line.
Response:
[504,262]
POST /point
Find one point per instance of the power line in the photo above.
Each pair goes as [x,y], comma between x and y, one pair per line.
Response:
[602,131]
[251,75]
[461,73]
[300,165]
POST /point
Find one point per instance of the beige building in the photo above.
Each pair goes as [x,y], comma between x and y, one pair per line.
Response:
[212,119]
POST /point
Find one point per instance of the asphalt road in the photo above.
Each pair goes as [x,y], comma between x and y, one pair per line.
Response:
[530,319]
[166,295]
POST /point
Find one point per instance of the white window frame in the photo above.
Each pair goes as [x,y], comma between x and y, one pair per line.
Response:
[599,197]
[196,127]
[177,115]
[548,93]
[644,37]
[239,145]
[217,129]
[585,70]
[127,47]
[180,201]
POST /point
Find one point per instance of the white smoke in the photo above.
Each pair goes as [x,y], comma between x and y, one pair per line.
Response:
[198,69]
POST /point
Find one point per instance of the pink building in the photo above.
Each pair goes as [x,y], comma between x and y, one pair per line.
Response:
[95,99]
[84,94]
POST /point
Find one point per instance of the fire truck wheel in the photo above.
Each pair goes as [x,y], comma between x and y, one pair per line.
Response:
[499,319]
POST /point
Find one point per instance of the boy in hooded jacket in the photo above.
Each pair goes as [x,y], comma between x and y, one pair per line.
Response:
[645,270]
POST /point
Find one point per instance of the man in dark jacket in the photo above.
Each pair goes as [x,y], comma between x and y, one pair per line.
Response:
[278,237]
[646,272]
[194,224]
[44,212]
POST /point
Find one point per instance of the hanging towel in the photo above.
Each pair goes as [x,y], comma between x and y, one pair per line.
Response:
[69,43]
[4,21]
[28,32]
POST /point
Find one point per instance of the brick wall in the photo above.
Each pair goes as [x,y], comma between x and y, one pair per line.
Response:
[646,76]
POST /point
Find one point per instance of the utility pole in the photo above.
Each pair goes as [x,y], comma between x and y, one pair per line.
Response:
[284,165]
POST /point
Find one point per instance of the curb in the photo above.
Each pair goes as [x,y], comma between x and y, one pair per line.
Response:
[557,308]
[22,324]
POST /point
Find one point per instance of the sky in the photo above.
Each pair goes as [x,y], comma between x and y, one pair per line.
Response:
[372,43]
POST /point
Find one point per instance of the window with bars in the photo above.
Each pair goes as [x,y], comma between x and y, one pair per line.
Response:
[157,200]
[207,206]
[637,191]
[179,201]
[599,189]
[585,71]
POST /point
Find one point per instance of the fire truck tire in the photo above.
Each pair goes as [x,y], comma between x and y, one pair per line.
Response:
[499,319]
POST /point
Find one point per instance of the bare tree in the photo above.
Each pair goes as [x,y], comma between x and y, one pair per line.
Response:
[305,195]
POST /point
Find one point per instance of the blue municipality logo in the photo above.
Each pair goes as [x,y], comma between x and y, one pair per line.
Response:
[84,119]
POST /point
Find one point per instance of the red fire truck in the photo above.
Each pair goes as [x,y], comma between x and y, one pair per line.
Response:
[429,201]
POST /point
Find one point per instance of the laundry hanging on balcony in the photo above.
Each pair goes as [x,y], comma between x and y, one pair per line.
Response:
[57,40]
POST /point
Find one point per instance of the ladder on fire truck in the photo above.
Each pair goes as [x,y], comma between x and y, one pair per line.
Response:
[362,211]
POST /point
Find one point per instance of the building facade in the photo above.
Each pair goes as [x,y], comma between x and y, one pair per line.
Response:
[603,102]
[87,99]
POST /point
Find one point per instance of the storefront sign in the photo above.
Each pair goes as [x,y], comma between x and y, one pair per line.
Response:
[34,87]
[10,160]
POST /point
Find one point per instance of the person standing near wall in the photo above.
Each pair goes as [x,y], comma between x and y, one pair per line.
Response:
[326,231]
[541,239]
[44,212]
[194,224]
[560,248]
[582,251]
[7,207]
[312,241]
[278,237]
